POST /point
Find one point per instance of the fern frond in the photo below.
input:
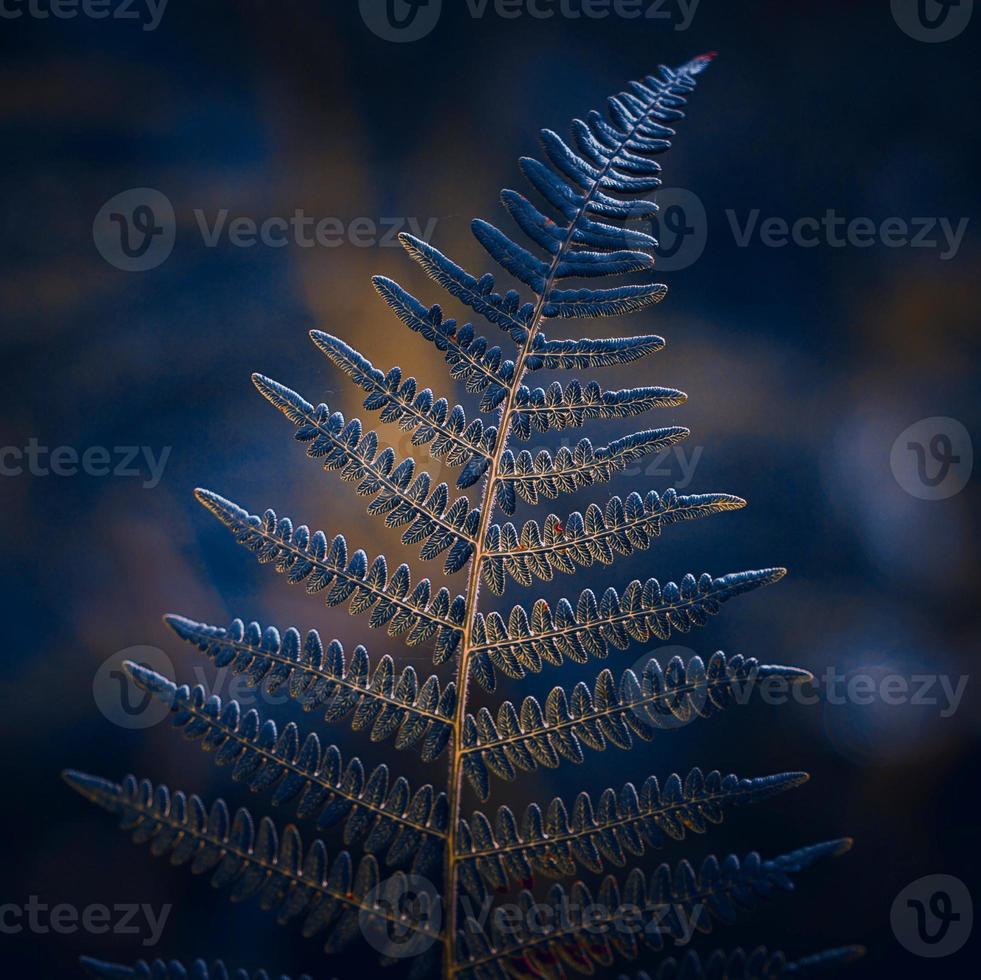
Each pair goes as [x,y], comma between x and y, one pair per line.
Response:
[536,273]
[575,226]
[174,970]
[669,905]
[401,494]
[444,431]
[614,156]
[390,818]
[305,557]
[644,610]
[621,528]
[572,469]
[611,715]
[622,823]
[507,312]
[482,368]
[589,353]
[289,880]
[755,964]
[380,701]
[540,409]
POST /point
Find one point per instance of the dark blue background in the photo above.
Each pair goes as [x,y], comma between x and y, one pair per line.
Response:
[802,366]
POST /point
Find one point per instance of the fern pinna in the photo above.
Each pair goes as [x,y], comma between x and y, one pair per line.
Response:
[591,190]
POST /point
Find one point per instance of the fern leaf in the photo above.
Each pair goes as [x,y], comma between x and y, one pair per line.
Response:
[305,557]
[589,353]
[536,273]
[612,714]
[174,970]
[644,610]
[621,824]
[380,701]
[507,312]
[614,156]
[621,528]
[401,494]
[583,931]
[388,816]
[540,409]
[482,368]
[754,964]
[443,430]
[289,880]
[572,469]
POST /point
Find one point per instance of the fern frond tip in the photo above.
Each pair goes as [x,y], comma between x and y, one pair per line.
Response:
[102,792]
[294,406]
[225,510]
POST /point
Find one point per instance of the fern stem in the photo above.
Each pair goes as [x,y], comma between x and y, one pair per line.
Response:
[455,783]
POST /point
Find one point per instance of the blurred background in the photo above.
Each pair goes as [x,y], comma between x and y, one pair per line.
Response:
[805,365]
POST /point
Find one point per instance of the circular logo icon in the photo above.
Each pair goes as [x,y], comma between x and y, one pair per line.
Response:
[933,458]
[680,227]
[400,21]
[135,230]
[933,916]
[389,908]
[668,700]
[119,698]
[932,21]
